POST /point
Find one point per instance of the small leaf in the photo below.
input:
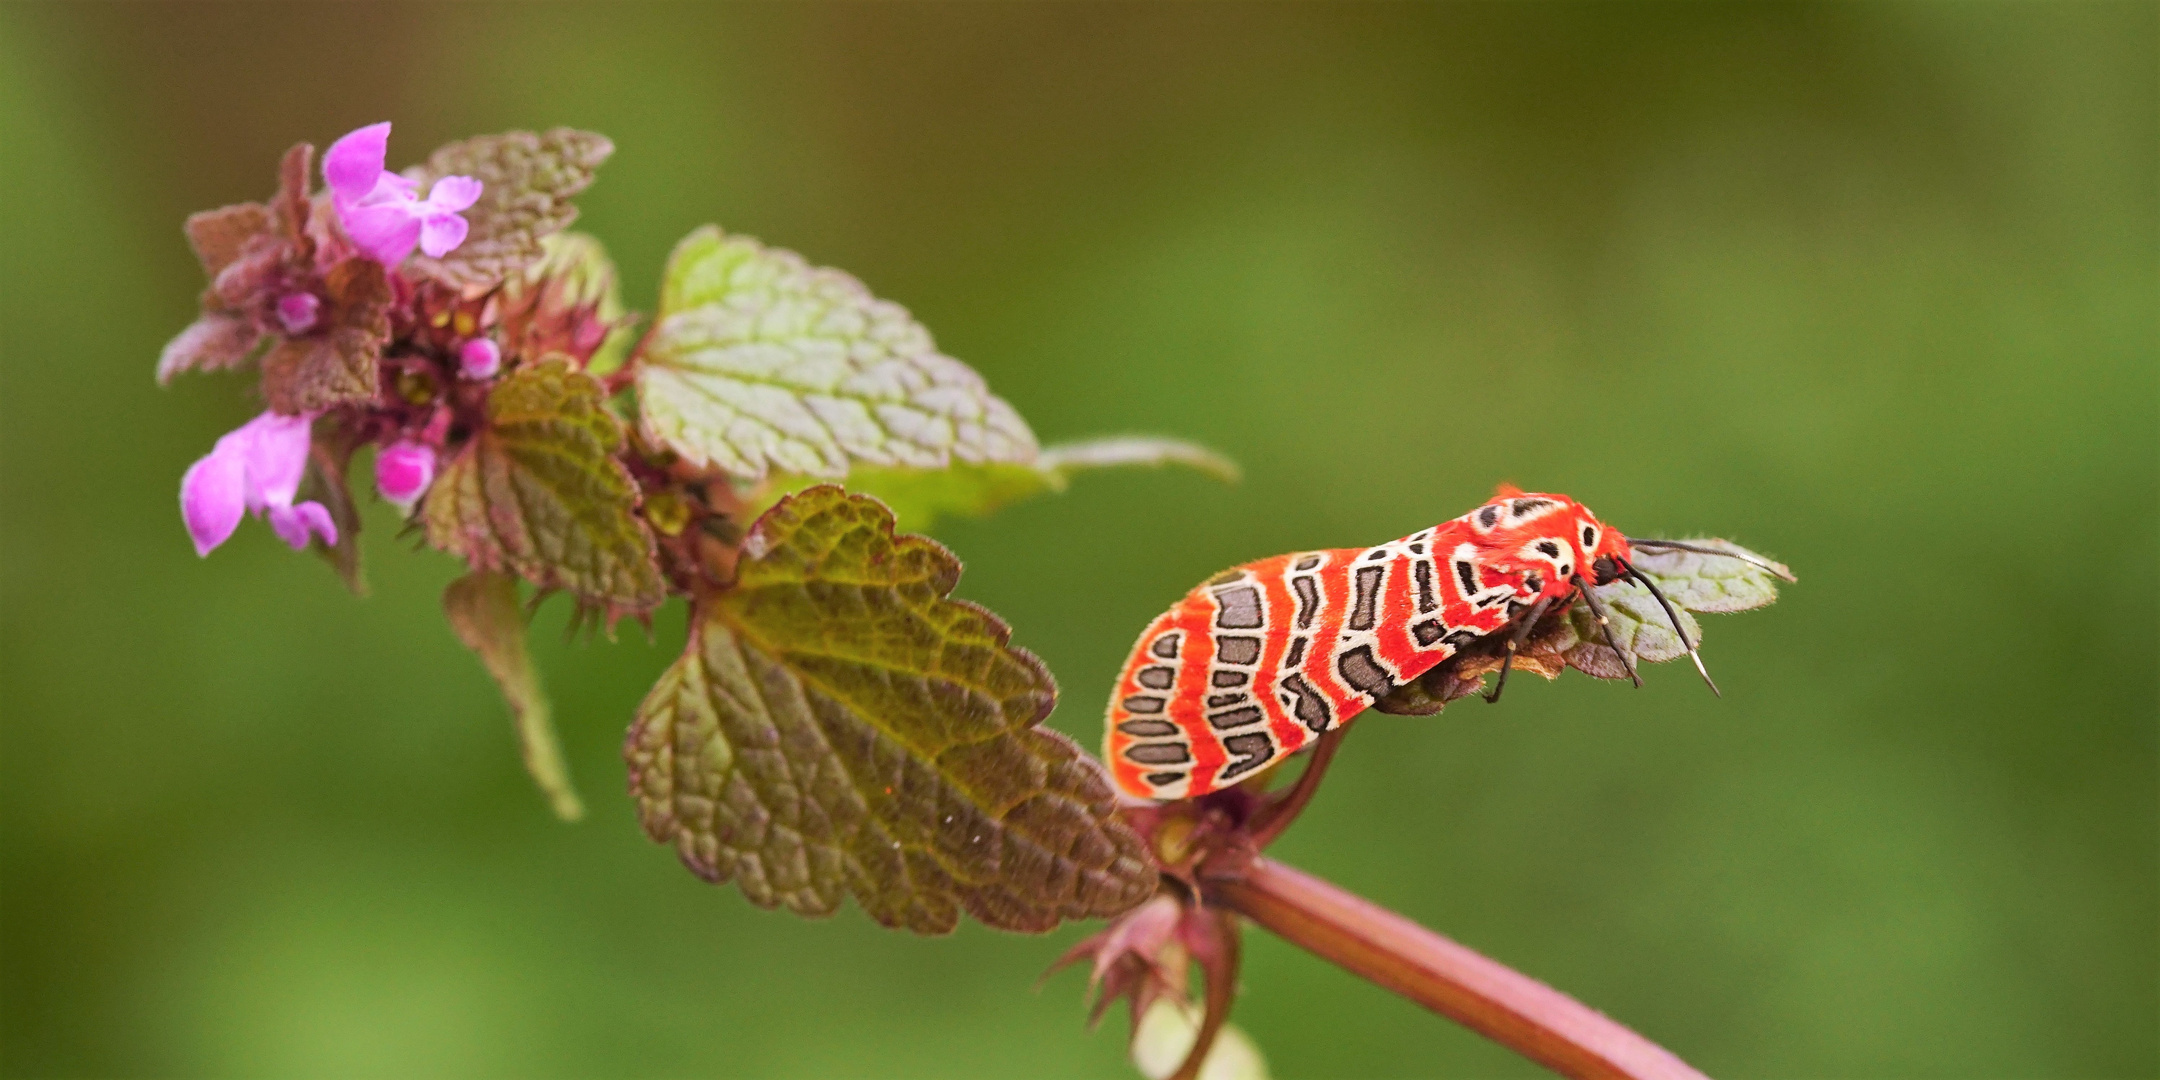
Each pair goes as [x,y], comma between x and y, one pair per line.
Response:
[211,343]
[838,726]
[329,463]
[220,236]
[1692,581]
[527,183]
[290,204]
[761,362]
[484,610]
[538,492]
[335,364]
[918,497]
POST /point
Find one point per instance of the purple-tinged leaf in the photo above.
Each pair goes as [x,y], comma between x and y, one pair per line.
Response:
[537,492]
[220,236]
[334,364]
[527,183]
[839,726]
[214,342]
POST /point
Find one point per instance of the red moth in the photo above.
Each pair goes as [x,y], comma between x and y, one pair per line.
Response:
[1259,660]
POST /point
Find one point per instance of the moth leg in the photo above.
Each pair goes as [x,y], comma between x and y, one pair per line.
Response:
[1605,624]
[1514,642]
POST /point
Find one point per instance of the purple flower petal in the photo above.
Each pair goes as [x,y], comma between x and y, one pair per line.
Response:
[454,193]
[294,523]
[213,496]
[404,470]
[275,450]
[297,311]
[441,233]
[355,162]
[480,358]
[385,232]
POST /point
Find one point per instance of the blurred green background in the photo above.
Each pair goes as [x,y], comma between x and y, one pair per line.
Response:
[1871,288]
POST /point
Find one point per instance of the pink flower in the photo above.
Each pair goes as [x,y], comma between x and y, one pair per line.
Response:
[480,358]
[257,467]
[382,211]
[297,311]
[403,472]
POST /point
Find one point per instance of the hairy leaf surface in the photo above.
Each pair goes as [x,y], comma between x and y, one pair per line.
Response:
[213,342]
[538,493]
[761,362]
[839,726]
[527,183]
[484,611]
[334,364]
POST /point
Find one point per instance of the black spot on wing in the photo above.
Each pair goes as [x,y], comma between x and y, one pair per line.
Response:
[1240,608]
[1235,718]
[1363,672]
[1253,749]
[1308,600]
[1157,754]
[1238,649]
[1305,703]
[1364,612]
[1148,728]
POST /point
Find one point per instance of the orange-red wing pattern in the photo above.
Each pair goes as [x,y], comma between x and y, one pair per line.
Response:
[1259,660]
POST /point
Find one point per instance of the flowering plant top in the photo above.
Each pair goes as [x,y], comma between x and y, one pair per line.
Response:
[443,316]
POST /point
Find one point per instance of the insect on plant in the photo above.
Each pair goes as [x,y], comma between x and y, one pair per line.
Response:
[1260,660]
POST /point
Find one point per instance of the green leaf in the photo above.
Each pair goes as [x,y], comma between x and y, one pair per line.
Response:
[838,726]
[538,492]
[527,184]
[761,362]
[918,497]
[336,364]
[484,611]
[1692,581]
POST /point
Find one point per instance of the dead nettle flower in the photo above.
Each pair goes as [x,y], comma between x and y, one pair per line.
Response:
[255,468]
[382,211]
[403,471]
[296,311]
[480,358]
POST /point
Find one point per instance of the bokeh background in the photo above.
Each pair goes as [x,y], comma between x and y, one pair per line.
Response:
[1869,287]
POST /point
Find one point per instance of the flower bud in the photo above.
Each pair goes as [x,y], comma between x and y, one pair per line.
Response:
[480,358]
[403,471]
[297,311]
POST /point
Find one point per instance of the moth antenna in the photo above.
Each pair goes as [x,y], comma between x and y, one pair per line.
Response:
[1605,624]
[1698,549]
[1677,628]
[1514,642]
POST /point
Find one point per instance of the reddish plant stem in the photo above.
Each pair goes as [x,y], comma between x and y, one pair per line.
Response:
[1275,816]
[1495,1001]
